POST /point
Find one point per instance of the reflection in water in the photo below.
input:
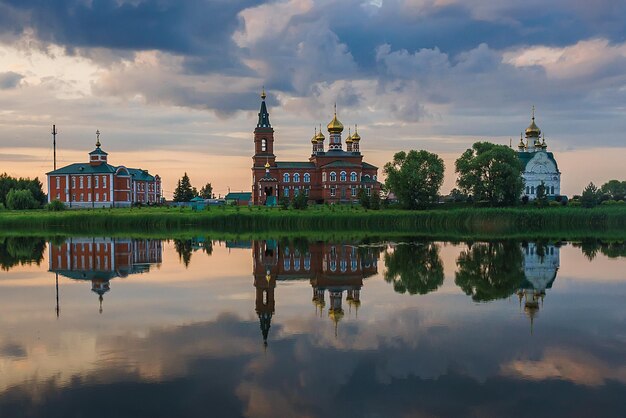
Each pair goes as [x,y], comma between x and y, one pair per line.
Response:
[16,251]
[101,259]
[186,340]
[414,268]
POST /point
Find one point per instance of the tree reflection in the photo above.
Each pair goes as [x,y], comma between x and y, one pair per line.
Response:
[20,251]
[489,271]
[414,268]
[183,249]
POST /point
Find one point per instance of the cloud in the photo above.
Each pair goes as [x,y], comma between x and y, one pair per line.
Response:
[10,80]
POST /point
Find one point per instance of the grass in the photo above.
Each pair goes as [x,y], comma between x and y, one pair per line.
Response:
[520,222]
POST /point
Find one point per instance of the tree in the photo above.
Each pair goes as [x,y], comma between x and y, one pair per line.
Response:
[206,192]
[375,200]
[489,271]
[542,198]
[364,199]
[21,199]
[490,173]
[301,201]
[615,189]
[590,196]
[414,268]
[184,192]
[415,178]
[183,249]
[20,251]
[7,183]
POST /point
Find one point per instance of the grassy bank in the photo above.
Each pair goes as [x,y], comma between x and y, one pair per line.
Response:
[568,222]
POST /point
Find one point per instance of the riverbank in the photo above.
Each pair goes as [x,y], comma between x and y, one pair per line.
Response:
[463,222]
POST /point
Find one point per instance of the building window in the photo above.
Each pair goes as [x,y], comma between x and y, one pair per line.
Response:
[332,191]
[97,181]
[374,177]
[353,191]
[333,176]
[81,181]
[97,196]
[323,177]
[104,182]
[306,191]
[343,176]
[286,178]
[286,192]
[532,189]
[552,190]
[82,196]
[353,177]
[264,145]
[369,192]
[527,189]
[73,198]
[104,196]
[89,182]
[58,182]
[307,178]
[58,196]
[88,197]
[296,191]
[287,264]
[73,182]
[296,178]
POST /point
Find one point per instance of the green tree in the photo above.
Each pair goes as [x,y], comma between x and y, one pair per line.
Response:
[541,200]
[615,189]
[20,250]
[21,199]
[375,200]
[8,183]
[489,271]
[590,196]
[184,192]
[415,178]
[301,200]
[364,199]
[491,173]
[415,268]
[206,192]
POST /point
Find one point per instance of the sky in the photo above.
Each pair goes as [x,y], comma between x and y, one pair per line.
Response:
[173,86]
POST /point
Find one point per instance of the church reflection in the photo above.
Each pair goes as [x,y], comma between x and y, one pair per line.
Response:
[99,260]
[331,268]
[541,264]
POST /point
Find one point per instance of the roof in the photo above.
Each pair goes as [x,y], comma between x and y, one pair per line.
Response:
[197,199]
[85,168]
[295,164]
[140,175]
[98,151]
[340,153]
[340,163]
[525,158]
[367,165]
[239,196]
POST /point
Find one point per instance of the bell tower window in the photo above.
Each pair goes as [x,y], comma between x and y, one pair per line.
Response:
[263,145]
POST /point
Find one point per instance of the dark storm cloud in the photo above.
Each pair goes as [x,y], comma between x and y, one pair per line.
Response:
[191,27]
[10,80]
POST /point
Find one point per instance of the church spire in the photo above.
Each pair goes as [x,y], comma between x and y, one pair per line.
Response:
[264,116]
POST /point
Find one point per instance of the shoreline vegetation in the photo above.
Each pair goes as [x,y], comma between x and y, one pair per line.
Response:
[323,221]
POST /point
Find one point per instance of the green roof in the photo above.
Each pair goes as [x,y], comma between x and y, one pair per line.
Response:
[525,158]
[340,163]
[367,165]
[85,168]
[239,196]
[139,174]
[98,151]
[295,164]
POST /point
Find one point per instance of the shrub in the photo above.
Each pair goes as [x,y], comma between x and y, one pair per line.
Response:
[55,206]
[609,202]
[574,203]
[589,199]
[524,200]
[21,200]
[554,203]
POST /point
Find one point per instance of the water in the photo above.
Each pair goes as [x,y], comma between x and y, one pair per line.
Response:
[293,328]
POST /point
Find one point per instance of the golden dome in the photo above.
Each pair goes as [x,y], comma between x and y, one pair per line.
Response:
[267,165]
[335,127]
[356,136]
[314,139]
[320,136]
[533,130]
[336,315]
[349,138]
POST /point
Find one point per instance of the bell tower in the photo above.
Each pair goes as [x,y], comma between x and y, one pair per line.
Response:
[263,138]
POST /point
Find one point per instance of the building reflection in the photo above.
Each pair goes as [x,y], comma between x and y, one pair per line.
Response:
[99,260]
[331,268]
[541,264]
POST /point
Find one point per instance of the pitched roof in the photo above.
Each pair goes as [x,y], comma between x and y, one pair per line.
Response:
[525,158]
[85,168]
[295,164]
[98,151]
[340,163]
[140,175]
[238,196]
[367,165]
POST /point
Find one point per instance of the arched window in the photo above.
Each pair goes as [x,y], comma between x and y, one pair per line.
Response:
[551,189]
[264,145]
[532,189]
[307,178]
[296,178]
[527,189]
[353,176]
[286,178]
[323,176]
[333,176]
[342,176]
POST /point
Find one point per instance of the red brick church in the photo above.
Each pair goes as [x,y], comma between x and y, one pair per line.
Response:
[330,175]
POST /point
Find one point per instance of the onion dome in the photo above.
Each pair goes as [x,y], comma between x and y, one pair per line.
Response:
[521,144]
[349,138]
[356,137]
[533,130]
[267,165]
[320,136]
[335,127]
[314,139]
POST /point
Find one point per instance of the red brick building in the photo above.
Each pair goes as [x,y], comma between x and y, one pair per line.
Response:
[330,175]
[98,184]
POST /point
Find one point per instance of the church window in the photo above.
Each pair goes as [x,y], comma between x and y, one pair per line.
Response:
[333,265]
[307,178]
[342,176]
[287,264]
[286,178]
[89,182]
[58,196]
[353,176]
[58,182]
[374,177]
[73,182]
[551,189]
[104,181]
[97,196]
[81,181]
[353,264]
[306,191]
[333,176]
[82,197]
[296,191]
[264,145]
[323,176]
[296,178]
[527,189]
[332,191]
[104,196]
[286,192]
[343,265]
[97,181]
[296,264]
[353,191]
[532,189]
[369,192]
[307,263]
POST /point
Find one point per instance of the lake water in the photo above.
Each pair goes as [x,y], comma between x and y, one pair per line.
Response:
[101,327]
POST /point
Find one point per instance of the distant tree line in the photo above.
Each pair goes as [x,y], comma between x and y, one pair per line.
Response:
[21,193]
[184,191]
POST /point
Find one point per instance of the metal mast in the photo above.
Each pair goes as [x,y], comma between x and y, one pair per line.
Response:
[54,144]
